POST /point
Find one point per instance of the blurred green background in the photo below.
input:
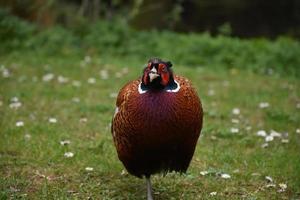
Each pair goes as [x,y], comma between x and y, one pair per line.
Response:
[258,35]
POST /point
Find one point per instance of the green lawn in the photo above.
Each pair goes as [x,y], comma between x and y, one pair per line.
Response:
[80,94]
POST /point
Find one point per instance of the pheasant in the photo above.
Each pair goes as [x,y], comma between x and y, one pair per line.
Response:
[157,122]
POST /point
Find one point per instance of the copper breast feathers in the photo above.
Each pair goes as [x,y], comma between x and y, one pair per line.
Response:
[156,131]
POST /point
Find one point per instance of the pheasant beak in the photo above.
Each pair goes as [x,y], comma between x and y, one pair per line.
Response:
[153,74]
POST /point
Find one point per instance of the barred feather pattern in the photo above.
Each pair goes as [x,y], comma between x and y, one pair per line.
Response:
[157,131]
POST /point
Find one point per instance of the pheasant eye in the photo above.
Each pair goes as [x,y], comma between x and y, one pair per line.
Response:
[163,67]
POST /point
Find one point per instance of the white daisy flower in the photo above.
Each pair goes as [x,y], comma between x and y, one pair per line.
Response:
[48,77]
[27,136]
[75,99]
[213,137]
[211,92]
[269,179]
[203,173]
[104,74]
[270,185]
[234,130]
[83,120]
[285,141]
[76,83]
[19,123]
[15,105]
[235,121]
[269,138]
[14,99]
[282,186]
[255,174]
[89,169]
[91,80]
[69,154]
[62,79]
[264,145]
[6,73]
[225,176]
[236,111]
[213,193]
[261,133]
[65,142]
[275,134]
[263,105]
[87,59]
[52,120]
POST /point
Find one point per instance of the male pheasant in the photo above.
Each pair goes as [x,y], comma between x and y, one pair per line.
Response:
[157,122]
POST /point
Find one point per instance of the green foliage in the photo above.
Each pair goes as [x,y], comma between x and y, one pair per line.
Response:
[56,40]
[13,31]
[260,55]
[107,38]
[225,29]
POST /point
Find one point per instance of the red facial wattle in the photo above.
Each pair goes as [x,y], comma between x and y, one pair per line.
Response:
[164,74]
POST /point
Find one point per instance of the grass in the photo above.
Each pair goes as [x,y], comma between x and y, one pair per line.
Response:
[32,162]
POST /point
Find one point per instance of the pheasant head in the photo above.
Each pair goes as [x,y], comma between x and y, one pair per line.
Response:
[158,74]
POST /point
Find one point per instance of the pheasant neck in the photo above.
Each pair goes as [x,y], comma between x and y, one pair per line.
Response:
[156,85]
